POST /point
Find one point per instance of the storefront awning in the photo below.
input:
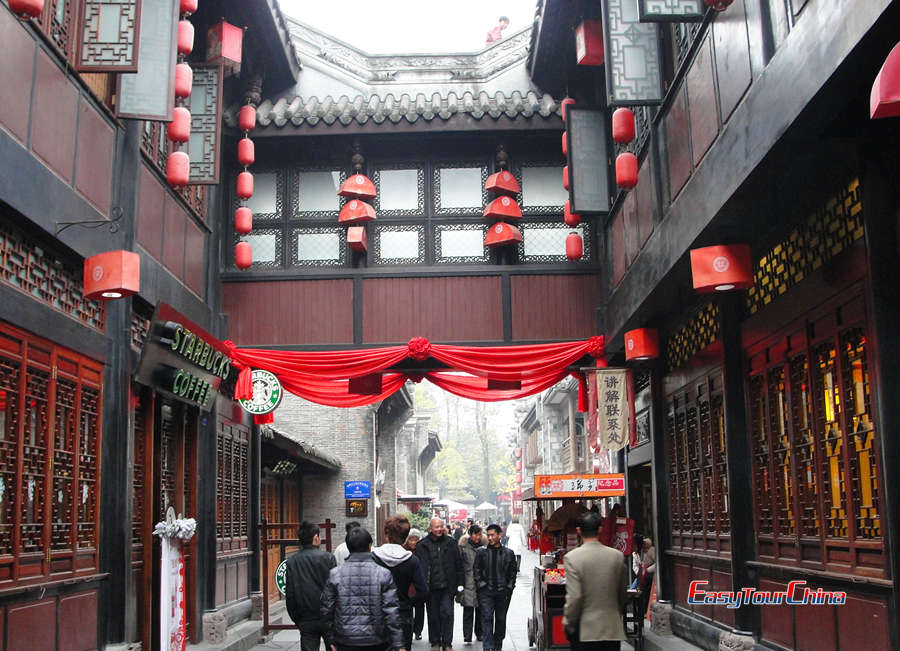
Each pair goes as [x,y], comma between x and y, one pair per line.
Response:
[301,451]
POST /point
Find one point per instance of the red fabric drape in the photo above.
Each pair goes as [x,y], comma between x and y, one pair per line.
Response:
[322,377]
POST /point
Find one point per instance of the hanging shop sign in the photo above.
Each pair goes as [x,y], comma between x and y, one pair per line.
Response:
[613,408]
[589,191]
[267,393]
[357,508]
[357,490]
[587,486]
[148,93]
[181,360]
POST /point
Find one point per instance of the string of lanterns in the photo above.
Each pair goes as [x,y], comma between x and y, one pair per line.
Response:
[504,207]
[359,190]
[243,216]
[178,165]
[574,243]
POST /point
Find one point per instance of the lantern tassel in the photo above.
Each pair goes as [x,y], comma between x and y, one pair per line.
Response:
[243,388]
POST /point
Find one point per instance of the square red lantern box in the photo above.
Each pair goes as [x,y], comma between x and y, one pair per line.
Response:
[356,238]
[589,43]
[223,45]
[113,274]
[641,344]
[722,268]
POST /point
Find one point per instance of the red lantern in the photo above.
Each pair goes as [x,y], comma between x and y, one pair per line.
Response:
[719,5]
[27,8]
[626,170]
[245,185]
[564,105]
[358,186]
[503,208]
[502,183]
[589,43]
[356,212]
[243,220]
[501,234]
[179,128]
[185,37]
[574,246]
[571,218]
[565,144]
[518,453]
[721,268]
[247,118]
[519,465]
[187,6]
[519,478]
[623,125]
[113,274]
[884,100]
[642,344]
[356,238]
[246,152]
[223,45]
[566,177]
[243,255]
[184,80]
[178,169]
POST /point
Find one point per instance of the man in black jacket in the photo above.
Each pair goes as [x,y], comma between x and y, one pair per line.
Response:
[307,572]
[443,569]
[359,604]
[495,578]
[405,569]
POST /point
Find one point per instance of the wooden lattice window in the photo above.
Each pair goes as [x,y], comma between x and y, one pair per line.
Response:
[813,437]
[695,335]
[697,466]
[157,147]
[50,401]
[232,486]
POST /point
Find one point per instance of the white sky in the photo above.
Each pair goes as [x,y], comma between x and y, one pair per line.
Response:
[413,26]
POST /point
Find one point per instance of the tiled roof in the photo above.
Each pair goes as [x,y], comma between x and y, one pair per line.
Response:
[344,110]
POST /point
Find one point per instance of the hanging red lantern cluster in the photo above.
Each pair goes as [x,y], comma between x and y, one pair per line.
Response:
[504,207]
[27,9]
[178,165]
[623,132]
[360,190]
[243,216]
[574,243]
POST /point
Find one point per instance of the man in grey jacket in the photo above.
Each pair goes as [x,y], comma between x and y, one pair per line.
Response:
[360,607]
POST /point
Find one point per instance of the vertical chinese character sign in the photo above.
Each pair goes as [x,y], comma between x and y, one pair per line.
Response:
[173,534]
[613,409]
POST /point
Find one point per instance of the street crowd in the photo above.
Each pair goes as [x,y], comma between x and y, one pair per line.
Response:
[365,599]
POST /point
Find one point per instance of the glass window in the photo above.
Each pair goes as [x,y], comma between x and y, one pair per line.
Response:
[399,244]
[399,190]
[317,191]
[265,246]
[546,240]
[460,187]
[265,195]
[542,186]
[462,243]
[318,246]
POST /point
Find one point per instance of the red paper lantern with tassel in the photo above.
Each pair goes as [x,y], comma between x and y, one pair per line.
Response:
[187,6]
[564,105]
[566,177]
[185,37]
[565,143]
[626,170]
[574,246]
[245,185]
[246,152]
[623,125]
[571,218]
[243,255]
[178,169]
[179,128]
[884,99]
[247,118]
[184,80]
[27,8]
[243,220]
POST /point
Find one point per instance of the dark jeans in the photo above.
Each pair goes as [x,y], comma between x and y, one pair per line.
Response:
[406,623]
[606,645]
[311,633]
[418,619]
[471,615]
[493,604]
[440,617]
[376,647]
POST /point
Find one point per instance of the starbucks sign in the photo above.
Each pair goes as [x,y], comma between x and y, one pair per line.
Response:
[281,577]
[267,393]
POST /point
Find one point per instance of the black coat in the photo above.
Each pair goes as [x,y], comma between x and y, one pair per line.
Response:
[307,572]
[406,574]
[502,562]
[450,560]
[360,605]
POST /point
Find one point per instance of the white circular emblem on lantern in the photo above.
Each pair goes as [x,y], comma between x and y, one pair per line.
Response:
[359,180]
[505,201]
[353,205]
[721,264]
[97,273]
[498,228]
[630,344]
[267,393]
[505,176]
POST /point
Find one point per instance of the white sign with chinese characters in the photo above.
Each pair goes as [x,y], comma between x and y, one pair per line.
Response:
[612,408]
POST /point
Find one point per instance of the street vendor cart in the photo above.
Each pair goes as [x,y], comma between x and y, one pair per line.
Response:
[548,592]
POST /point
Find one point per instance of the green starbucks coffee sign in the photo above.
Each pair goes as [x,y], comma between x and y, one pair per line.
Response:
[281,577]
[267,393]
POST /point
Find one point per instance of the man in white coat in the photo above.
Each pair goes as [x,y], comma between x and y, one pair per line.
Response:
[516,540]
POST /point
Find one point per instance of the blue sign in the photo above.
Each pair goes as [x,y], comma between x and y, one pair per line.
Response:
[357,489]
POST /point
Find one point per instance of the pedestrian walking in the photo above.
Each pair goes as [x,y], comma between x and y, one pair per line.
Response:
[495,578]
[359,606]
[412,539]
[341,553]
[307,573]
[515,535]
[405,569]
[596,589]
[644,565]
[441,564]
[468,598]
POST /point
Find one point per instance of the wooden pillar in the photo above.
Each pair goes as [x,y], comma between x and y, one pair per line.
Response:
[661,502]
[737,445]
[255,515]
[881,215]
[207,472]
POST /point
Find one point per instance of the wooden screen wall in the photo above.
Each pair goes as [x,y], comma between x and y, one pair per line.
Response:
[232,507]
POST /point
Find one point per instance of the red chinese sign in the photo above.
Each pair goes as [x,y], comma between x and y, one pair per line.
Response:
[561,486]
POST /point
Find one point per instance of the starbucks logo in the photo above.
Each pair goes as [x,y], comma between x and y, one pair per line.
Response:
[281,577]
[267,393]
